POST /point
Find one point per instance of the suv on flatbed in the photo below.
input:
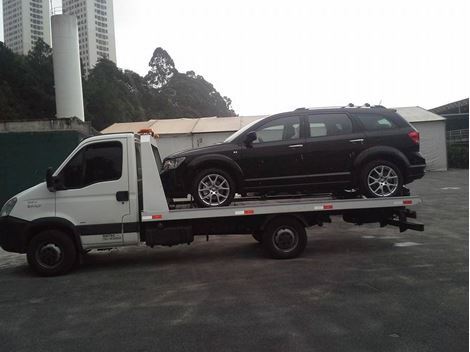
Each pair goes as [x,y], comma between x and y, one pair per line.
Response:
[373,150]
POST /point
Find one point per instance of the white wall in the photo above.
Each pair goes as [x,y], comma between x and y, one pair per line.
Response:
[170,144]
[205,139]
[433,144]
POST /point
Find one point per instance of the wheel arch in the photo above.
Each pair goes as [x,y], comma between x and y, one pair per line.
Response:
[54,223]
[299,217]
[217,161]
[379,153]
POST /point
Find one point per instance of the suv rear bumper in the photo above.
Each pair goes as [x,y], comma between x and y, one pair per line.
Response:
[415,172]
[13,234]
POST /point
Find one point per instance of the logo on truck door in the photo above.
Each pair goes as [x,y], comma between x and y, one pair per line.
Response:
[112,237]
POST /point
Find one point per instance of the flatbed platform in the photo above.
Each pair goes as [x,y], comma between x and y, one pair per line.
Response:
[278,206]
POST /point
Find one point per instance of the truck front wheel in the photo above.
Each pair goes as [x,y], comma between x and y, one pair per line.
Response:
[284,238]
[51,253]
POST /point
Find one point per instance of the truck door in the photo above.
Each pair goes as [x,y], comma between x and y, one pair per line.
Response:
[93,193]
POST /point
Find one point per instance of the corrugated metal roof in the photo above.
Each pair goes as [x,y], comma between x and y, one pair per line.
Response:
[174,126]
[127,126]
[418,114]
[185,125]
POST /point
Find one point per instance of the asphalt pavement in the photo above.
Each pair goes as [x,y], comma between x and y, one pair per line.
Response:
[355,288]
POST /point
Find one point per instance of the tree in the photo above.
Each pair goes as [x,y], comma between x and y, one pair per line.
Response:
[110,96]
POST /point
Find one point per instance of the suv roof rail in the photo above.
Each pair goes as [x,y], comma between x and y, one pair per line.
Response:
[366,105]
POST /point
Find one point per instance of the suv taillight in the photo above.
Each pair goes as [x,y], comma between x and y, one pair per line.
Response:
[414,135]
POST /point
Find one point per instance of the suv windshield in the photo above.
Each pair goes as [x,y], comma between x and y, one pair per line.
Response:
[231,138]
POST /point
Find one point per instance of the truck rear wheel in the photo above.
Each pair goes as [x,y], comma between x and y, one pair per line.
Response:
[51,253]
[284,238]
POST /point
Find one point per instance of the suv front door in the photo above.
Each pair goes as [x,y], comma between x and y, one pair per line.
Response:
[274,159]
[94,192]
[331,144]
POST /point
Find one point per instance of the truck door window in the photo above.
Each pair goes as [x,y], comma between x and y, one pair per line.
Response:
[97,162]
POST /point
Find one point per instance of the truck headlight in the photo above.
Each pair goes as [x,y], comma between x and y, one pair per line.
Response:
[173,163]
[8,207]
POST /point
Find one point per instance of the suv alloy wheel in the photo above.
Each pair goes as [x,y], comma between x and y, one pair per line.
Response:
[381,178]
[213,188]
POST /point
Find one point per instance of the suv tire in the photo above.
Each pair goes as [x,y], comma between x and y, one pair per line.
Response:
[380,179]
[51,253]
[213,188]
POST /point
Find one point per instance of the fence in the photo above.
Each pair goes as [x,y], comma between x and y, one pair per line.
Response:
[457,137]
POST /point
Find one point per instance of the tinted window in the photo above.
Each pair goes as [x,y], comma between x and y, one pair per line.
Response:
[282,129]
[372,122]
[322,125]
[72,173]
[95,163]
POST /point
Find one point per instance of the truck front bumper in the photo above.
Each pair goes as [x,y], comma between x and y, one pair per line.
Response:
[13,234]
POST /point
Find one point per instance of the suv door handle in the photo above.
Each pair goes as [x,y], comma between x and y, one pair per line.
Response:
[359,140]
[296,146]
[122,196]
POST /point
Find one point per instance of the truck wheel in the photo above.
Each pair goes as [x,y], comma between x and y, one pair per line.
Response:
[213,188]
[284,238]
[51,253]
[380,179]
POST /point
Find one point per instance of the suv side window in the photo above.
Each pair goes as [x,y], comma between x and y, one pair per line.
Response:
[282,129]
[374,122]
[95,163]
[321,125]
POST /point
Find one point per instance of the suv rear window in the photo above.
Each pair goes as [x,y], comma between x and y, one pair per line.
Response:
[373,122]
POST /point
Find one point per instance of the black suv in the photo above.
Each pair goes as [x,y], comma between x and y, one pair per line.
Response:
[373,150]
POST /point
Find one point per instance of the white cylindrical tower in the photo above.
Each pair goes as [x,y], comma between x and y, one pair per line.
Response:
[66,61]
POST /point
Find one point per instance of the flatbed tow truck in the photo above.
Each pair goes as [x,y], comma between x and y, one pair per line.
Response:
[108,193]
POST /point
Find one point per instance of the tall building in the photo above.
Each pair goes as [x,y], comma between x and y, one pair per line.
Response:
[95,29]
[24,22]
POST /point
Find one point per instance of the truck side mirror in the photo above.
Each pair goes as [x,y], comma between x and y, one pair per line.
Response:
[50,180]
[250,137]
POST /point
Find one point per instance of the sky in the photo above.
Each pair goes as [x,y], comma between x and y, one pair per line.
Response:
[274,56]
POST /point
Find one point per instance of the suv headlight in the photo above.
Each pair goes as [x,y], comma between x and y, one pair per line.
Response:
[173,163]
[8,207]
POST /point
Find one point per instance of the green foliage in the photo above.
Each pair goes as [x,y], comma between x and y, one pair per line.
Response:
[110,94]
[457,156]
[26,84]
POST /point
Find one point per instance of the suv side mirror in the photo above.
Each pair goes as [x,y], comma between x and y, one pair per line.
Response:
[249,138]
[50,180]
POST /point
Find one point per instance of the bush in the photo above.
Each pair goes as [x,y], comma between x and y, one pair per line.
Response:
[457,156]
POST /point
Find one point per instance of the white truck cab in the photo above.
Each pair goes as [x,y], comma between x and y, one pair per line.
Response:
[108,193]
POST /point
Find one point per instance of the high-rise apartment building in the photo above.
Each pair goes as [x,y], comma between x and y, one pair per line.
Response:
[24,22]
[95,29]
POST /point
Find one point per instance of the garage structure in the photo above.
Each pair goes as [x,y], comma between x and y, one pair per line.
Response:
[186,133]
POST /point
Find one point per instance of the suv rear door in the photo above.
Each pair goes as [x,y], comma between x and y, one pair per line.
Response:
[332,142]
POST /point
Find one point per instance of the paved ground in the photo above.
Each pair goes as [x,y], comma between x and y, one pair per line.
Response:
[354,289]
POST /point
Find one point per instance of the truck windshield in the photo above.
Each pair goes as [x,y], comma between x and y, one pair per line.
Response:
[240,131]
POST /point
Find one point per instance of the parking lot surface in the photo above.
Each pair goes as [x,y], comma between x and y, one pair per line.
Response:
[355,288]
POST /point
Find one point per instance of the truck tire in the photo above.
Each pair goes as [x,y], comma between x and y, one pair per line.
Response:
[284,238]
[51,253]
[380,179]
[213,188]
